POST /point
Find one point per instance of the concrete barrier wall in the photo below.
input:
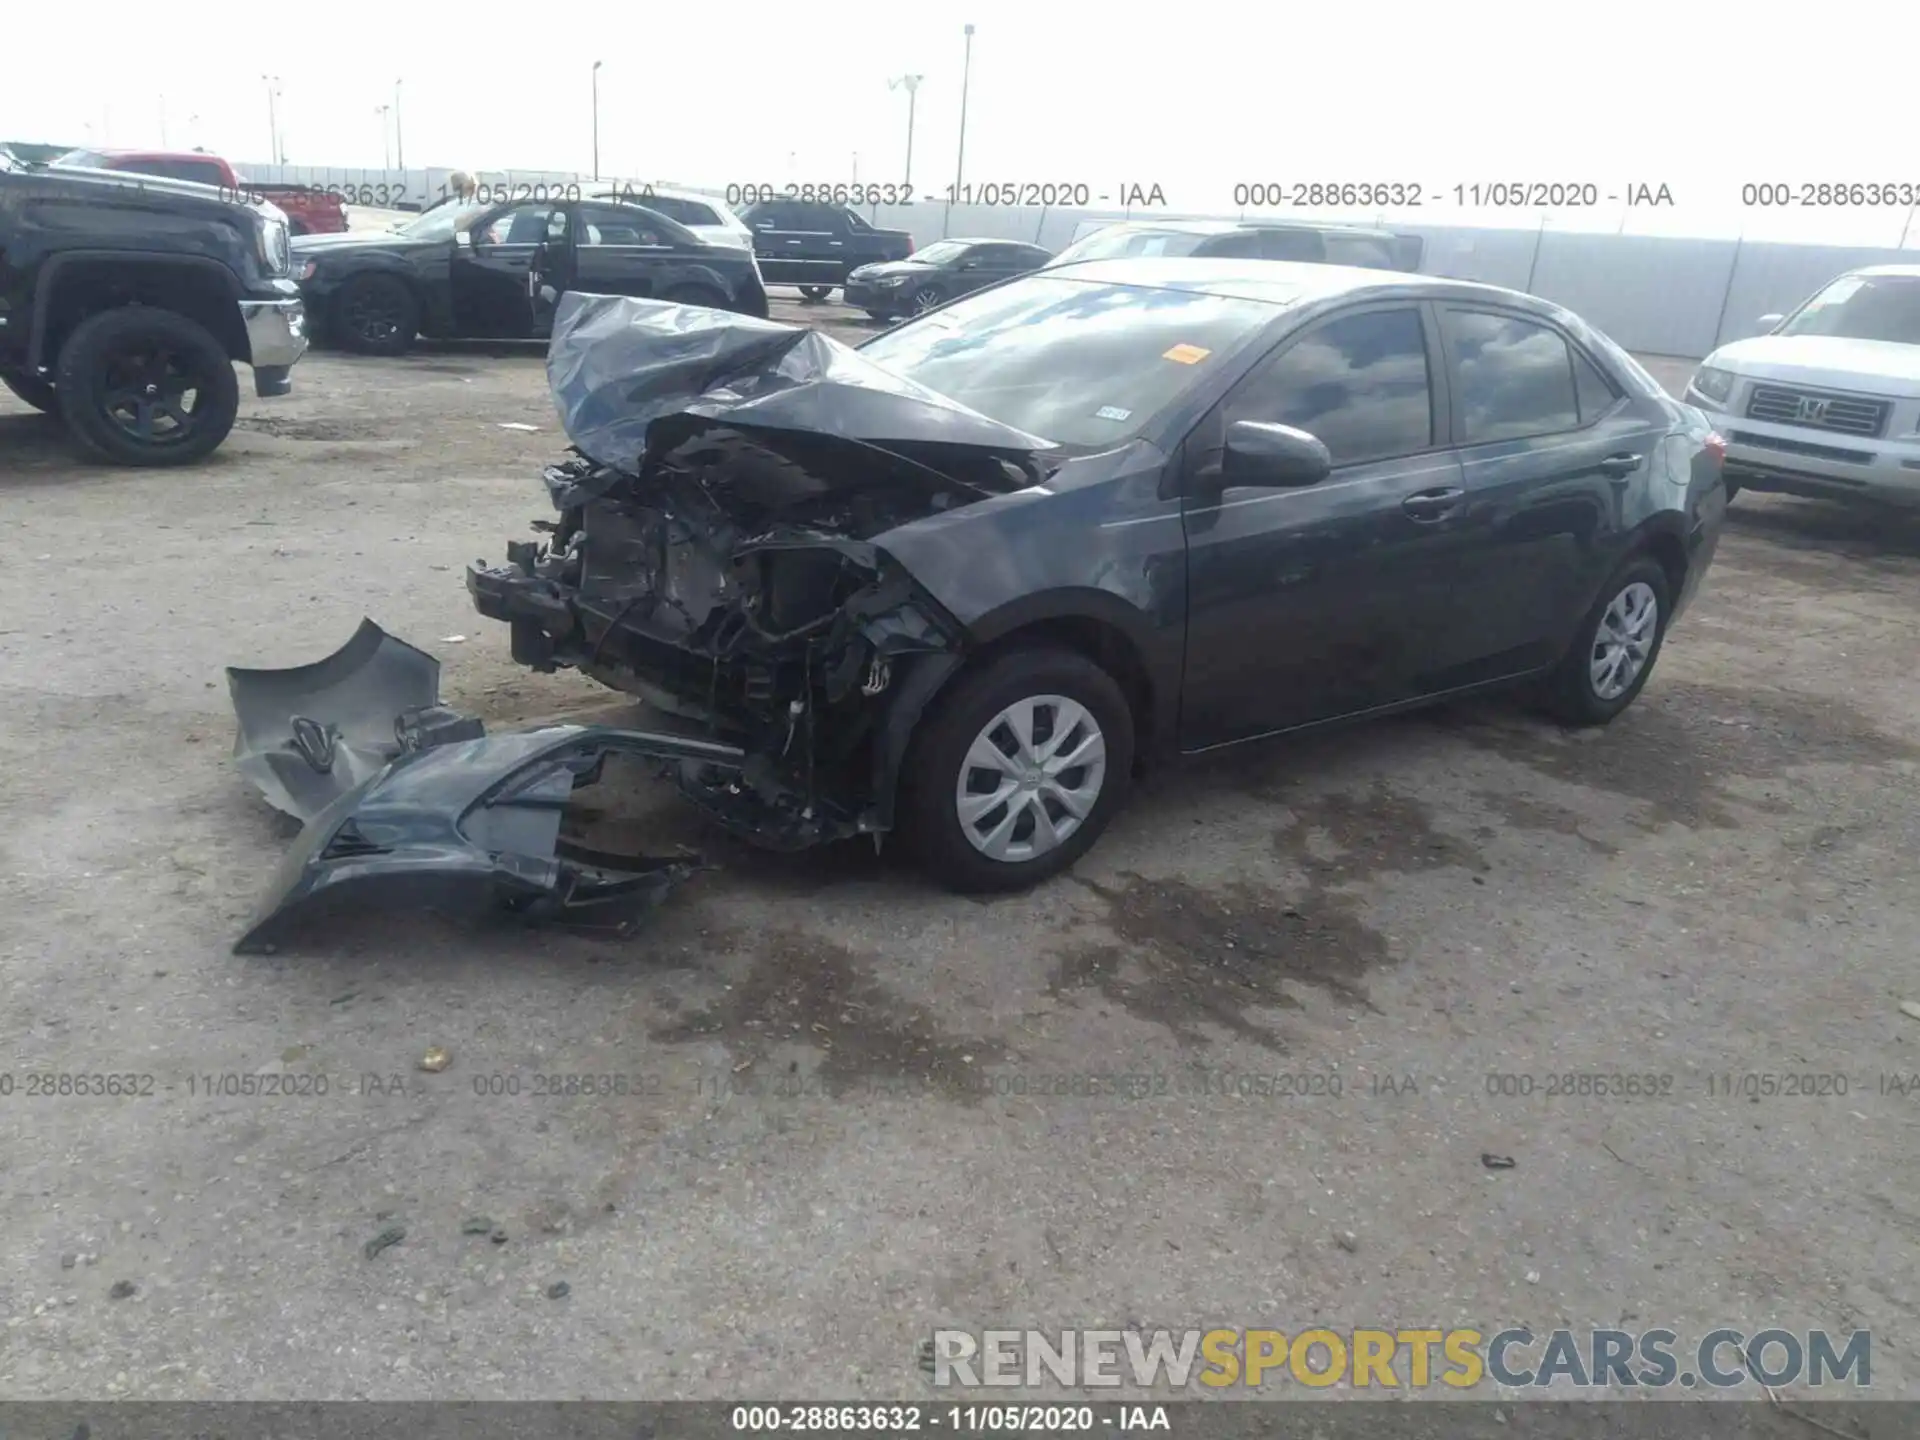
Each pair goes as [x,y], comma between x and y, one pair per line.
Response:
[1659,295]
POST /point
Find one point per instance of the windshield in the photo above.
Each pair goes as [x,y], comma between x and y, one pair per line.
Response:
[441,222]
[1863,307]
[940,252]
[1122,240]
[1086,366]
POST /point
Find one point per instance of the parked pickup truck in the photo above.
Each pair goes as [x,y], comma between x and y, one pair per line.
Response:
[125,300]
[813,244]
[310,209]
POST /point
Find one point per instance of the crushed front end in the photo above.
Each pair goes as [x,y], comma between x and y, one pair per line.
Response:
[715,549]
[777,628]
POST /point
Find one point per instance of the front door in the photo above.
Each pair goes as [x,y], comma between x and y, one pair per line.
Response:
[1307,604]
[495,293]
[989,264]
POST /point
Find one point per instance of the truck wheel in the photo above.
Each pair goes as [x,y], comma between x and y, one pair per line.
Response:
[145,386]
[376,315]
[31,388]
[815,292]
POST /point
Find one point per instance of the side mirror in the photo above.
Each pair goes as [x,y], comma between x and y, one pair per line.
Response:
[1273,456]
[1767,322]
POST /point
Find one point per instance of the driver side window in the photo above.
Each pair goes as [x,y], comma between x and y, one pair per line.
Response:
[1359,383]
[522,225]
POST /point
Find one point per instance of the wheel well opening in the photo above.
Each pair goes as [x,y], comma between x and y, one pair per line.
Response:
[1671,556]
[87,287]
[1108,647]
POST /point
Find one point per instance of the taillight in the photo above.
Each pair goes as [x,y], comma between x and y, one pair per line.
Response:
[1716,446]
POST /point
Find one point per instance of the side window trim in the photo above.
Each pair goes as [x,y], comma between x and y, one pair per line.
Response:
[1607,378]
[1456,407]
[1206,436]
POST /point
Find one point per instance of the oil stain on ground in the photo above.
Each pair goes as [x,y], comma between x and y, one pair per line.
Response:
[1674,750]
[1188,957]
[807,989]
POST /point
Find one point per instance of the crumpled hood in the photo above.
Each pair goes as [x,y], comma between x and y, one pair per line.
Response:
[618,365]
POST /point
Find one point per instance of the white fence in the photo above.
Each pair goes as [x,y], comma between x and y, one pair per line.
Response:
[1656,295]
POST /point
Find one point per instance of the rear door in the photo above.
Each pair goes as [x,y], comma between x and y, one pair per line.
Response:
[1307,604]
[617,250]
[988,263]
[798,244]
[1548,447]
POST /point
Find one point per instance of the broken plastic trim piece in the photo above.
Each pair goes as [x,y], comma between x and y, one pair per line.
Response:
[474,825]
[312,733]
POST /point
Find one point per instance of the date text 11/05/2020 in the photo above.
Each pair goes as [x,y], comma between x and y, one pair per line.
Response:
[1076,193]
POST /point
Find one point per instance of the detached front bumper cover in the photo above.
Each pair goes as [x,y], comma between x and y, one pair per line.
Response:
[441,816]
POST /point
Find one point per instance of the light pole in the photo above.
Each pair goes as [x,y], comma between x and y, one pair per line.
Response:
[399,142]
[966,75]
[596,119]
[911,84]
[386,144]
[273,116]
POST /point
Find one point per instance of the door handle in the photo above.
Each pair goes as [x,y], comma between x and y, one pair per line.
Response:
[1618,467]
[1431,505]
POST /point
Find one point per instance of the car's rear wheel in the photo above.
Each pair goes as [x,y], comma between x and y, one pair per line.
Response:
[145,386]
[925,299]
[1018,773]
[376,315]
[32,389]
[1617,645]
[815,292]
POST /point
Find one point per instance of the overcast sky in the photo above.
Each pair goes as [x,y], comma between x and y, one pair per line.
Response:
[1195,96]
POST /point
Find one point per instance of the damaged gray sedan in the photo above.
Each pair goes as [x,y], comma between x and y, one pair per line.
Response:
[957,582]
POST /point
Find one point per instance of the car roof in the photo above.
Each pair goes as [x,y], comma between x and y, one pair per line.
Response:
[984,240]
[1279,282]
[1230,227]
[1910,271]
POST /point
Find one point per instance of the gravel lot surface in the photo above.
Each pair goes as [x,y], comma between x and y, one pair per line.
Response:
[844,1132]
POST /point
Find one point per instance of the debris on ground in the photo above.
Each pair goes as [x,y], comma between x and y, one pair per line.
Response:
[1911,1009]
[1497,1162]
[559,1290]
[476,1225]
[435,1060]
[1347,1241]
[388,1237]
[123,1290]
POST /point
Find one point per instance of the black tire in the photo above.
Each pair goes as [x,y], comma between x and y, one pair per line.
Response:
[122,380]
[815,293]
[1570,695]
[375,315]
[32,389]
[926,298]
[929,820]
[697,295]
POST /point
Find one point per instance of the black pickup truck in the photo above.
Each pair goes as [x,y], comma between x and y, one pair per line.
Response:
[125,299]
[813,244]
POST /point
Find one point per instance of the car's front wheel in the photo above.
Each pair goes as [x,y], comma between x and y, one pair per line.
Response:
[146,386]
[376,315]
[815,292]
[1616,647]
[924,299]
[1020,770]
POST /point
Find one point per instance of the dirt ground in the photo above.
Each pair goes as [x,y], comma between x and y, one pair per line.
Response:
[842,1131]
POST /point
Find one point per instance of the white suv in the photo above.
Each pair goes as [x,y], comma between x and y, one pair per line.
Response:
[1827,403]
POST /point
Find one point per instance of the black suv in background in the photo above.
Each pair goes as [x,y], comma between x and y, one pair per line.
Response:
[814,244]
[125,299]
[1249,240]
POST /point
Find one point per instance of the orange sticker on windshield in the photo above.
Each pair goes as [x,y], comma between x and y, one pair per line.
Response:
[1187,354]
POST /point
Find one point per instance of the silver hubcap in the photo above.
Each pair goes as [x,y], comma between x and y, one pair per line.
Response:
[1624,640]
[1031,778]
[925,301]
